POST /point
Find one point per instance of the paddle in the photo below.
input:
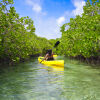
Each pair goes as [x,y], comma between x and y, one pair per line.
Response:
[56,44]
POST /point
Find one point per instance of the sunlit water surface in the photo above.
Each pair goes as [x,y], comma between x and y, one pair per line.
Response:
[34,81]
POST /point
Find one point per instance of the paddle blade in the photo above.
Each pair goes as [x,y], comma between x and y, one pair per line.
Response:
[56,43]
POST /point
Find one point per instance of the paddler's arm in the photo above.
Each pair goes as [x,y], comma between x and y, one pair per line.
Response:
[46,57]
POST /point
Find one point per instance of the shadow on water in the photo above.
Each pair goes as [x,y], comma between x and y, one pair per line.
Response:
[33,81]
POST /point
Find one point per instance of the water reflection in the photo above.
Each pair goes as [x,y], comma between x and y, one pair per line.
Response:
[55,73]
[50,83]
[33,81]
[55,68]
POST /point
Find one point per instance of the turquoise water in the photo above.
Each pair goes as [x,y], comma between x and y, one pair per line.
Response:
[34,81]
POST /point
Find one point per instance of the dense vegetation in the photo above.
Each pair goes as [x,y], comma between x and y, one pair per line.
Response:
[17,35]
[19,41]
[83,35]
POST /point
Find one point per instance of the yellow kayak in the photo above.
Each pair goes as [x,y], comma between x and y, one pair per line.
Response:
[55,56]
[52,62]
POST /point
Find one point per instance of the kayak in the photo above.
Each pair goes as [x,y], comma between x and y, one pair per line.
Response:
[52,62]
[55,56]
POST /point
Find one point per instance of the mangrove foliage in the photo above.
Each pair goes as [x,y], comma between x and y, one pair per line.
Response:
[17,35]
[82,38]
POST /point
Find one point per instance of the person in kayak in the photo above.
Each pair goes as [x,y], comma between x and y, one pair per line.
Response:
[49,55]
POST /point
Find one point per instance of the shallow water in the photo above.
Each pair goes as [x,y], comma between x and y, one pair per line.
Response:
[34,81]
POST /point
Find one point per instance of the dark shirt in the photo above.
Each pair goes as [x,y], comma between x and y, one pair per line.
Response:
[49,57]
